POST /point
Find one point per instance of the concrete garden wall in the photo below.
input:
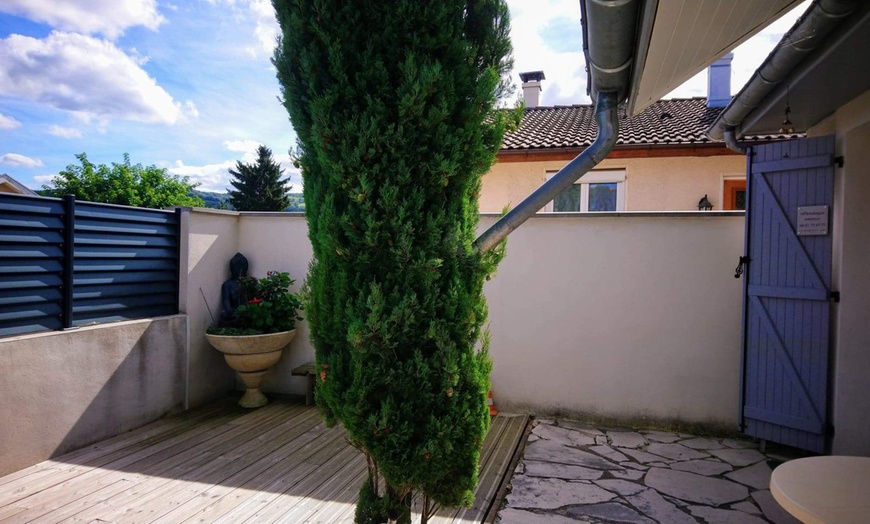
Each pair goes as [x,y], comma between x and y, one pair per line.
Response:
[629,317]
[271,242]
[64,390]
[632,316]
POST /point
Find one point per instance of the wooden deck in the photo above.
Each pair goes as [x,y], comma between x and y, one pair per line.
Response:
[221,464]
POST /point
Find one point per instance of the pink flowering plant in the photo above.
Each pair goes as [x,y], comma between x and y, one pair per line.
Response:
[268,306]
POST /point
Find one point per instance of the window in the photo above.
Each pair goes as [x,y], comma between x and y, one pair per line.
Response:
[595,191]
[734,194]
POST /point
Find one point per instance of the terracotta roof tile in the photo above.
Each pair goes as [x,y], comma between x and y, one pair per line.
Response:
[679,121]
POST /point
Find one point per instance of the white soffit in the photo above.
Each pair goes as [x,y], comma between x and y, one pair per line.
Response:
[686,36]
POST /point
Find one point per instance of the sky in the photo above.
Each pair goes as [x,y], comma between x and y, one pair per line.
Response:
[188,85]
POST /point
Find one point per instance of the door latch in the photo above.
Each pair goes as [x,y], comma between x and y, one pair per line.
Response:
[741,265]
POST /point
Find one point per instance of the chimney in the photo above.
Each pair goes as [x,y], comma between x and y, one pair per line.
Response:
[719,82]
[532,87]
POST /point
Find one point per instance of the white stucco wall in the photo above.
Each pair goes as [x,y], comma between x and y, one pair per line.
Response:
[619,316]
[288,250]
[651,184]
[270,241]
[626,317]
[851,377]
[209,239]
[66,389]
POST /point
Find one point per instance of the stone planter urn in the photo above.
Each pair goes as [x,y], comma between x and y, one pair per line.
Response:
[252,356]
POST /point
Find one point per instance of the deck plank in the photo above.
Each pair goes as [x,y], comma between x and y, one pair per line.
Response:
[278,448]
[165,426]
[279,463]
[162,483]
[151,467]
[293,465]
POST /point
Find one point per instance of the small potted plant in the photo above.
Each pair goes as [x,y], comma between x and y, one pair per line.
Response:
[257,321]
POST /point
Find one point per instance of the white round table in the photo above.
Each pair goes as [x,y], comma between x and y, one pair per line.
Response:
[834,489]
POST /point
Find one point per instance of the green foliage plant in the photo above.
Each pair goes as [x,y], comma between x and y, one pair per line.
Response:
[271,308]
[125,184]
[395,108]
[258,186]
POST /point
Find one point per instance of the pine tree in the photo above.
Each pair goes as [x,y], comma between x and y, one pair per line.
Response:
[259,186]
[394,106]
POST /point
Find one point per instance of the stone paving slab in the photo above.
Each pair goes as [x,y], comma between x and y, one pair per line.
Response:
[626,439]
[703,467]
[738,457]
[756,476]
[574,472]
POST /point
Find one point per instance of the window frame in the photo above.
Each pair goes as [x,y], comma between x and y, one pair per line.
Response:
[599,176]
[730,187]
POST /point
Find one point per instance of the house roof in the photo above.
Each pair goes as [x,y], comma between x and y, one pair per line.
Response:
[674,122]
[10,185]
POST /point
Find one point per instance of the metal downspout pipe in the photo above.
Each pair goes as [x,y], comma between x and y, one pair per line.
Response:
[609,37]
[607,117]
[732,143]
[821,18]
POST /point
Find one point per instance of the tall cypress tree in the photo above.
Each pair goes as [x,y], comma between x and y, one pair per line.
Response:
[394,106]
[259,186]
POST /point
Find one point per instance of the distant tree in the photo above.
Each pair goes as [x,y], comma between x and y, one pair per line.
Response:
[125,184]
[259,186]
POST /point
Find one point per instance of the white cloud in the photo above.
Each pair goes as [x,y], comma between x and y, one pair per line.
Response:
[261,15]
[190,109]
[532,31]
[7,122]
[242,146]
[87,76]
[44,179]
[216,177]
[106,17]
[14,159]
[211,177]
[64,132]
[266,30]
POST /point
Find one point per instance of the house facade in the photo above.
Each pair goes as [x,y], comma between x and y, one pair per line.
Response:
[663,160]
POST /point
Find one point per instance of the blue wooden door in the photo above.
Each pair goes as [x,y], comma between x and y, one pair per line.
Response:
[788,283]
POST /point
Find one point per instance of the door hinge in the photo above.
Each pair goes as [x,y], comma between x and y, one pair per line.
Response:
[834,296]
[839,160]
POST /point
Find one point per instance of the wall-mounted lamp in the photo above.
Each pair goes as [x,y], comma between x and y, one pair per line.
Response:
[705,204]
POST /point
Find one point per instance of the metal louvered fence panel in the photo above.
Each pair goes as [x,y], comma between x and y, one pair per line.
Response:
[65,263]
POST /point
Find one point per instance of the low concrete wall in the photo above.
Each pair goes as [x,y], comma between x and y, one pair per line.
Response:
[634,316]
[64,390]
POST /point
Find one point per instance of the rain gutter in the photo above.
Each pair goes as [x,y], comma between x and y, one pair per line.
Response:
[609,33]
[822,17]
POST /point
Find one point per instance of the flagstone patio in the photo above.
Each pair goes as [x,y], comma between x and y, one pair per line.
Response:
[574,472]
